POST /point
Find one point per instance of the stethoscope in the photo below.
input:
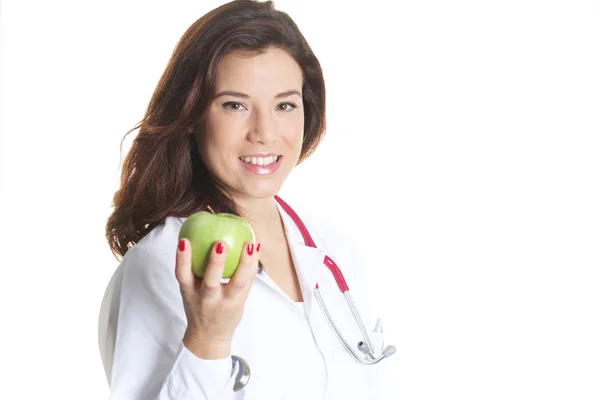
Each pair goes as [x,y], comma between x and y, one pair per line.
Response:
[364,346]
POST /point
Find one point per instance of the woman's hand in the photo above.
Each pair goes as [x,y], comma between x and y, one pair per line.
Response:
[214,309]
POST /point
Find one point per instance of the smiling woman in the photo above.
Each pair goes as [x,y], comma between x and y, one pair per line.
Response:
[204,84]
[240,104]
[254,126]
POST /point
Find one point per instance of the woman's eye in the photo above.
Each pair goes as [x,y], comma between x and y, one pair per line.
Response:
[286,106]
[232,105]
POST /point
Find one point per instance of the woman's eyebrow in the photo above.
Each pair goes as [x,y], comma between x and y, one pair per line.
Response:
[232,93]
[245,96]
[288,93]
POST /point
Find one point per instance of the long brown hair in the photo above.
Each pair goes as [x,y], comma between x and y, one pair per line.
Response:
[163,174]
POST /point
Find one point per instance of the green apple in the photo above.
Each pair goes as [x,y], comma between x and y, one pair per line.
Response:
[203,229]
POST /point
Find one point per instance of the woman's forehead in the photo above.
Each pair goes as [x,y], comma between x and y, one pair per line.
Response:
[268,70]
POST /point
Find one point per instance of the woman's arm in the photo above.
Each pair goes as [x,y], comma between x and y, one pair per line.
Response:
[150,360]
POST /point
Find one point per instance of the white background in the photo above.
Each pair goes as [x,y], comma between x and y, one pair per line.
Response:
[463,153]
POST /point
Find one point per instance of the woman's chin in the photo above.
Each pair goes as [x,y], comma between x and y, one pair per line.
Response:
[261,190]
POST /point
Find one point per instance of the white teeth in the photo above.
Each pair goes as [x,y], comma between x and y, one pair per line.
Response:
[260,161]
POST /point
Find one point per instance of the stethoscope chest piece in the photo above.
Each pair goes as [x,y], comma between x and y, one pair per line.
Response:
[243,374]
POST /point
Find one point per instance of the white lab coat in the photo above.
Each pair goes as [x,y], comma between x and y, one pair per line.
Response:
[291,350]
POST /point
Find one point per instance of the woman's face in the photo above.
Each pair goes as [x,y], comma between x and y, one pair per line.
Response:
[254,125]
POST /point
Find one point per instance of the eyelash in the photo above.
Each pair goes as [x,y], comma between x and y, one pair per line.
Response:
[229,103]
[290,104]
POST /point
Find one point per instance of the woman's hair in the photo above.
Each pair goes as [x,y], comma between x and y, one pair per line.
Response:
[163,174]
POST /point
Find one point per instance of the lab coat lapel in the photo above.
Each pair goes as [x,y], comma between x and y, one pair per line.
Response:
[311,270]
[308,260]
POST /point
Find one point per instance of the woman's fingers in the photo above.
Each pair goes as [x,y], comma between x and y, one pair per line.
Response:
[240,282]
[246,271]
[214,269]
[183,264]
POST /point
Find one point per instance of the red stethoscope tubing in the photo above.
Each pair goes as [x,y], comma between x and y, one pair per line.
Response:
[308,241]
[364,346]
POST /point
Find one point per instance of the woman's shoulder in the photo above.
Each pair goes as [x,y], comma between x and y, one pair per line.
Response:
[323,226]
[341,246]
[330,235]
[159,244]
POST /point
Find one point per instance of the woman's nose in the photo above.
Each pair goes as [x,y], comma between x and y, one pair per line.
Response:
[263,127]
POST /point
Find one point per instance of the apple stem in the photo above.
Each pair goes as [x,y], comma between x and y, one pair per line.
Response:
[211,210]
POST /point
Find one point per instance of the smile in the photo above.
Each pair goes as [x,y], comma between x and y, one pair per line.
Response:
[260,161]
[261,165]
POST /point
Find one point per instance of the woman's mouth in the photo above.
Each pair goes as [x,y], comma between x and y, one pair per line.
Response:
[261,165]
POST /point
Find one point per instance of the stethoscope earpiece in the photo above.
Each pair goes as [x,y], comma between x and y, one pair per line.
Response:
[389,350]
[364,348]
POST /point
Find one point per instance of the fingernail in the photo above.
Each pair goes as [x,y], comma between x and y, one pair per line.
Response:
[258,247]
[250,249]
[181,245]
[220,248]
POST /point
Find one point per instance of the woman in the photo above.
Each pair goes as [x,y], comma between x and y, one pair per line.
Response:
[241,103]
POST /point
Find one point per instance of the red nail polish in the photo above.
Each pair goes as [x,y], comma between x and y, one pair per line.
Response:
[181,245]
[258,247]
[250,249]
[220,248]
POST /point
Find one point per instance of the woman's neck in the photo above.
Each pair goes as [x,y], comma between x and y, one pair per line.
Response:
[262,214]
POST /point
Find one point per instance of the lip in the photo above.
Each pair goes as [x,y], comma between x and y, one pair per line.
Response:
[262,170]
[261,155]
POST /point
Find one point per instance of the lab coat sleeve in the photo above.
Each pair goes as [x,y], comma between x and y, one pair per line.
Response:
[150,360]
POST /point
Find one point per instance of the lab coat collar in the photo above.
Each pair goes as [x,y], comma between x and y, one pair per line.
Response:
[308,260]
[310,268]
